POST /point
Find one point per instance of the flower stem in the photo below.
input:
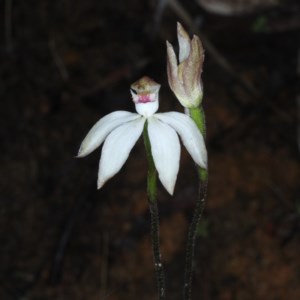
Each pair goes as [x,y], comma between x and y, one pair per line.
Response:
[152,200]
[197,114]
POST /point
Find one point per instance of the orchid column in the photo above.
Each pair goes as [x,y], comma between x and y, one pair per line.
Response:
[185,82]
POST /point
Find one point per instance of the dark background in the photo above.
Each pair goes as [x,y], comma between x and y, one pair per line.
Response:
[65,64]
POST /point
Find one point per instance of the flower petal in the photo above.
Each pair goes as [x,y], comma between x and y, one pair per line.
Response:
[102,128]
[117,147]
[189,133]
[191,71]
[172,67]
[175,75]
[165,148]
[184,43]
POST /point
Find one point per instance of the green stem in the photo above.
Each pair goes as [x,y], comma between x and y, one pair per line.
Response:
[152,200]
[197,114]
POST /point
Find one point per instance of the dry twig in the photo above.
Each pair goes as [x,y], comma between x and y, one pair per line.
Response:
[58,61]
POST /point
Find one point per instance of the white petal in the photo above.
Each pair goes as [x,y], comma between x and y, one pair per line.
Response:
[165,148]
[172,67]
[102,128]
[147,109]
[189,133]
[184,43]
[117,147]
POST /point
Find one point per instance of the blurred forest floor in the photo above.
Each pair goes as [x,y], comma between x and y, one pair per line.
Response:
[65,64]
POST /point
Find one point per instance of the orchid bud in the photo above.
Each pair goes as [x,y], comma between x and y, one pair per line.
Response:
[185,78]
[145,96]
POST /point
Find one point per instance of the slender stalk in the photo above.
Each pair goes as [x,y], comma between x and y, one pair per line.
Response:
[152,200]
[197,114]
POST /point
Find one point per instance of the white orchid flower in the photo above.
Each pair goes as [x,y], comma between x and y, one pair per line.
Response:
[120,131]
